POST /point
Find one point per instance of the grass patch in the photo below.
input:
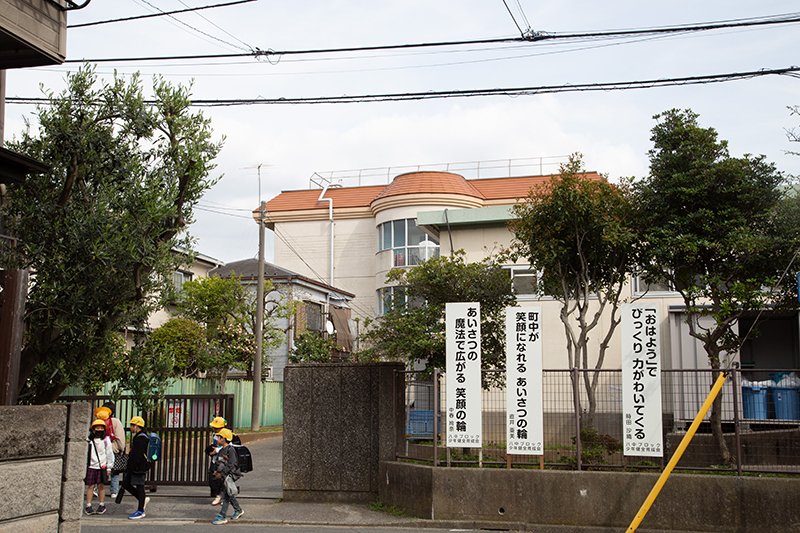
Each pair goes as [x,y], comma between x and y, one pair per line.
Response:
[380,507]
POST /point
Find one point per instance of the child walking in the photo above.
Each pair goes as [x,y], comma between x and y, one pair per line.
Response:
[227,469]
[100,458]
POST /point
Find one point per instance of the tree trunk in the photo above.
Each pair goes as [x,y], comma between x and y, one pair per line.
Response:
[49,395]
[716,422]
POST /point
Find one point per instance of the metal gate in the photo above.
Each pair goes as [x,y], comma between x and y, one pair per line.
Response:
[181,420]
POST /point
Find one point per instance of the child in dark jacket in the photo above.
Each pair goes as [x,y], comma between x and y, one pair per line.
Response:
[227,469]
[138,465]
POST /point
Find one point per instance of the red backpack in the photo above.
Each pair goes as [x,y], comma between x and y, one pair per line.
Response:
[110,430]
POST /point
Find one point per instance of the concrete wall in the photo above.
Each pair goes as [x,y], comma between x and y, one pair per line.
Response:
[599,499]
[339,425]
[43,464]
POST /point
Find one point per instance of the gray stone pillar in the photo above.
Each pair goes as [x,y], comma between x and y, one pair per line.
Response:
[340,422]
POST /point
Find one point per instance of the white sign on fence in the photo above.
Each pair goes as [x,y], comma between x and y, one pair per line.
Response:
[641,381]
[463,330]
[524,404]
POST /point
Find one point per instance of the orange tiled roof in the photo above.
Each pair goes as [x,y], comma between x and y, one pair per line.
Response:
[429,182]
[411,183]
[307,199]
[519,187]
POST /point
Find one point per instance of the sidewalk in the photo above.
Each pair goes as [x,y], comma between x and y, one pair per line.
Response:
[261,492]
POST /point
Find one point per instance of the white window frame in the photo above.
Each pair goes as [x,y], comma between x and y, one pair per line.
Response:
[428,248]
[636,288]
[529,272]
[185,276]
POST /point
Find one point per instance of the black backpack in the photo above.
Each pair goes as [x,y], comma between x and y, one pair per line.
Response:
[244,457]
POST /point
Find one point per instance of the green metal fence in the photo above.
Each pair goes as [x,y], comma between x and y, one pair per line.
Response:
[242,390]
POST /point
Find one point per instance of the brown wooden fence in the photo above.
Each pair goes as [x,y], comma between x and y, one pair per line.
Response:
[182,423]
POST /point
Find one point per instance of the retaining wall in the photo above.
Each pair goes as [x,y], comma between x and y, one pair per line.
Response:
[42,467]
[592,499]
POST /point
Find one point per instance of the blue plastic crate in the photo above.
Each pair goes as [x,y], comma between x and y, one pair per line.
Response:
[787,403]
[754,401]
[420,423]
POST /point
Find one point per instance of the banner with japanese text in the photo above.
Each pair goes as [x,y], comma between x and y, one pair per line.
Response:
[641,381]
[524,402]
[463,331]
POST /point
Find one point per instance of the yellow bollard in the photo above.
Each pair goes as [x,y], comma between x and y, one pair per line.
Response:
[662,479]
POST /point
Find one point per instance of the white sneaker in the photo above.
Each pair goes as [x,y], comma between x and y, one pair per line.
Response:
[146,501]
[217,500]
[113,496]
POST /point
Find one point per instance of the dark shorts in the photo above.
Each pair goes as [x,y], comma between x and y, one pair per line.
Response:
[94,476]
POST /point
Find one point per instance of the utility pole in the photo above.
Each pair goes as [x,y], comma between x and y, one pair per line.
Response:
[255,421]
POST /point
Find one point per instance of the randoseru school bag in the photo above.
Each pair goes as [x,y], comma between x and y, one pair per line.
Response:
[244,457]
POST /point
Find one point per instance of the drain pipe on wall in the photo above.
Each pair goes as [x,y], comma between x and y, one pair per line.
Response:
[330,221]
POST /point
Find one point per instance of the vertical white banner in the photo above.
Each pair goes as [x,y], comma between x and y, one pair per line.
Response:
[524,401]
[463,330]
[641,381]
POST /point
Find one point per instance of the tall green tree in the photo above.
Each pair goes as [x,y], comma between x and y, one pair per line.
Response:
[98,229]
[416,333]
[577,233]
[227,311]
[714,227]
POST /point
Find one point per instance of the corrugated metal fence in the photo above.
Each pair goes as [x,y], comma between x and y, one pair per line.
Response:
[241,389]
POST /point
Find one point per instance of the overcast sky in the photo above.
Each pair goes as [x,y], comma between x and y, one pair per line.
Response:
[292,142]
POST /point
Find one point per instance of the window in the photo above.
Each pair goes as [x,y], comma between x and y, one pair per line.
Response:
[179,277]
[408,244]
[642,285]
[524,281]
[313,315]
[395,298]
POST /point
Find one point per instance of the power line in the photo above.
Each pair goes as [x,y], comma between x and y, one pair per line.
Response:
[161,14]
[513,18]
[464,93]
[229,34]
[536,37]
[196,30]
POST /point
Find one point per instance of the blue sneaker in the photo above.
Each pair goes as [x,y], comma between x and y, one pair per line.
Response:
[219,520]
[137,515]
[237,515]
[89,509]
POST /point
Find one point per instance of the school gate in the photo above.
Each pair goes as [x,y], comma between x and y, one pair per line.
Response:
[181,420]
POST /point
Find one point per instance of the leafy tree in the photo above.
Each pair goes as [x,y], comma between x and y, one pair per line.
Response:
[312,347]
[576,232]
[186,340]
[147,370]
[715,228]
[98,229]
[417,332]
[227,311]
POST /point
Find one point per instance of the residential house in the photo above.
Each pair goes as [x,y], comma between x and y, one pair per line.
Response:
[198,267]
[318,307]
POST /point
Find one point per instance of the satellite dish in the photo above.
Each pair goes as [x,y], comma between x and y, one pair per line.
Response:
[329,327]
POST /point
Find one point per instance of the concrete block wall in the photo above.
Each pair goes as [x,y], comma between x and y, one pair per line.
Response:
[530,498]
[46,453]
[339,424]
